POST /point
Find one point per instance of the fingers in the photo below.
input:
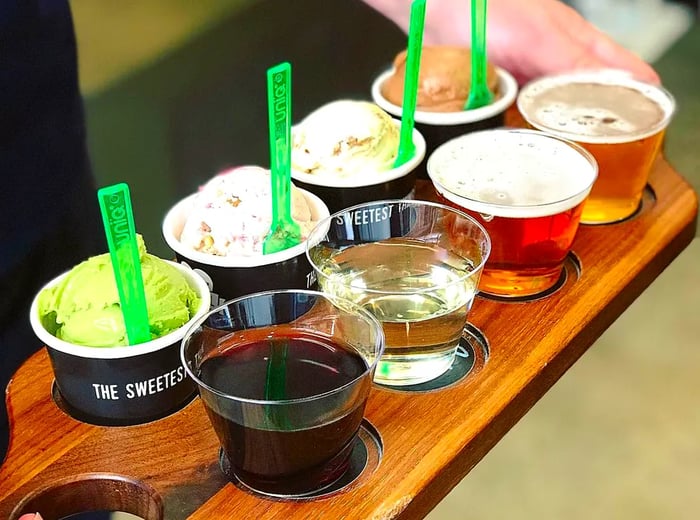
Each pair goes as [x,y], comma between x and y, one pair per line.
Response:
[611,54]
[590,48]
[529,39]
[543,37]
[31,516]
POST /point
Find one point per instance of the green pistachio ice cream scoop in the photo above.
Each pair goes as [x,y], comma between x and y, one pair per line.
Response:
[84,307]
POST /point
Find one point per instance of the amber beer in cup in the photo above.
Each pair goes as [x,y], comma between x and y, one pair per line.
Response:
[527,189]
[617,118]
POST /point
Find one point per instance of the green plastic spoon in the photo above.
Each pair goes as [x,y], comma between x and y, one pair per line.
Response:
[284,232]
[479,93]
[410,84]
[118,220]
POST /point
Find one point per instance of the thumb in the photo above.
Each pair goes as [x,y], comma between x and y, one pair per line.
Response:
[31,516]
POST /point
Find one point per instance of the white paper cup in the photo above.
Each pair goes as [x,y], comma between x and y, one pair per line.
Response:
[340,193]
[116,386]
[439,127]
[231,276]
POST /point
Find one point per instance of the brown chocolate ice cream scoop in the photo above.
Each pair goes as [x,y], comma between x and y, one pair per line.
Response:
[443,82]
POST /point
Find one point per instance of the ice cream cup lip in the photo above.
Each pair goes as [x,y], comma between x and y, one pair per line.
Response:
[51,341]
[605,76]
[322,227]
[194,325]
[318,207]
[370,179]
[514,210]
[507,86]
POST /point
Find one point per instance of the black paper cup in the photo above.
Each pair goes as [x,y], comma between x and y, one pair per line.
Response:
[230,277]
[118,386]
[340,193]
[439,127]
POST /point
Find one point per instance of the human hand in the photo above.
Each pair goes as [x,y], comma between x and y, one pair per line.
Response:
[31,516]
[527,38]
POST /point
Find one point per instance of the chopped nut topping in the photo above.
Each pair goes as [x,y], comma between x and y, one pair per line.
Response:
[354,141]
[234,201]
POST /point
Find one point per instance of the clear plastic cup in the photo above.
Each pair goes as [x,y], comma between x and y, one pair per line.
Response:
[284,377]
[415,265]
[528,190]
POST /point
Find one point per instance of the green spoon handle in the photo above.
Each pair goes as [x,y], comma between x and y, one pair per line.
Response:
[410,89]
[118,220]
[479,35]
[279,93]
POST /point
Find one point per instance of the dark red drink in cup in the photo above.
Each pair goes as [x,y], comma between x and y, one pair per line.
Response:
[527,189]
[284,377]
[315,365]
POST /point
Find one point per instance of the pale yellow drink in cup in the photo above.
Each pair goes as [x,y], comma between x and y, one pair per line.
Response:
[621,121]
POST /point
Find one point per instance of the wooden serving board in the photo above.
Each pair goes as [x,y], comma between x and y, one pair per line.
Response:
[430,440]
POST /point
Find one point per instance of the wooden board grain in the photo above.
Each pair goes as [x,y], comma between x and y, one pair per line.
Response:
[431,440]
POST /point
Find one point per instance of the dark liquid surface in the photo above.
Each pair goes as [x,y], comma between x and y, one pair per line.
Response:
[295,448]
[313,364]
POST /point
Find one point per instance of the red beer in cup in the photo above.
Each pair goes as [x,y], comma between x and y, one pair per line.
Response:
[527,189]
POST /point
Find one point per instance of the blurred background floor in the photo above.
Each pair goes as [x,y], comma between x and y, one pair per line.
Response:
[617,436]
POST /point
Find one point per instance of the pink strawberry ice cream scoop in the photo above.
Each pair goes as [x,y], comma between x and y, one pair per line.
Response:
[232,213]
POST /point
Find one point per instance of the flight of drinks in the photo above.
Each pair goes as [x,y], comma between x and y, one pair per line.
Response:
[510,203]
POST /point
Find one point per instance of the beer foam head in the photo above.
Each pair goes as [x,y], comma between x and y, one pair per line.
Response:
[512,173]
[596,107]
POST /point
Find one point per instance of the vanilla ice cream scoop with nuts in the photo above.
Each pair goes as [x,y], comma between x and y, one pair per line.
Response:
[345,138]
[232,213]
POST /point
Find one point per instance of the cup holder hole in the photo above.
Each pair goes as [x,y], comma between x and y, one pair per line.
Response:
[570,273]
[65,498]
[78,415]
[472,355]
[645,204]
[364,460]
